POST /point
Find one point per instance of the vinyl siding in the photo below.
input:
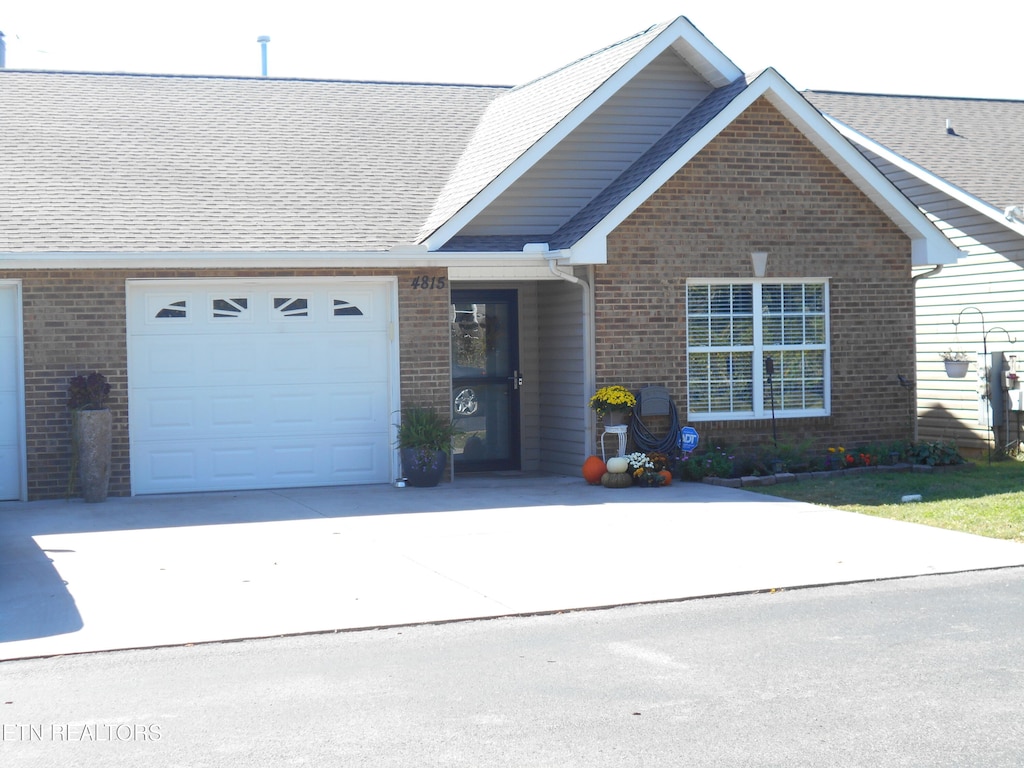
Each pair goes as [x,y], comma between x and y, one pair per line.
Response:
[563,407]
[952,409]
[596,153]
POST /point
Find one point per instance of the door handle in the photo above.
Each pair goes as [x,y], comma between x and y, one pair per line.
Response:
[516,379]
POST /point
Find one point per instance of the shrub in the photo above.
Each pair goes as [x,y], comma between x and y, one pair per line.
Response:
[935,454]
[717,462]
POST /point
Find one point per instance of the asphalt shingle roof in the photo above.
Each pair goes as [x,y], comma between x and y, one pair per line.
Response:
[517,119]
[985,156]
[105,162]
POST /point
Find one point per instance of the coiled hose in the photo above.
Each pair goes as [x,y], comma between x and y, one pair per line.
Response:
[649,443]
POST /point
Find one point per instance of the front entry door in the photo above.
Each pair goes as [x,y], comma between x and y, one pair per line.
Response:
[485,379]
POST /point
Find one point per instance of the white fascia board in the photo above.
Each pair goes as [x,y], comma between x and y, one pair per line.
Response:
[680,33]
[263,260]
[701,54]
[929,245]
[955,192]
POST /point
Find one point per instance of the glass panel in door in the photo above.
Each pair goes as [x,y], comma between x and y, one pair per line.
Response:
[485,379]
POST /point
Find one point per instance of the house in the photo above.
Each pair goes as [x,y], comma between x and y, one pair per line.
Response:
[269,270]
[961,162]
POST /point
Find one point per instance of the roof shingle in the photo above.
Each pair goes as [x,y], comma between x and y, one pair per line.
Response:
[116,163]
[984,156]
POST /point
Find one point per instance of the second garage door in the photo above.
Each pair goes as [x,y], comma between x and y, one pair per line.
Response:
[259,383]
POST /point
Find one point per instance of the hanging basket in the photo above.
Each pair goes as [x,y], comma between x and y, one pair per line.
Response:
[956,369]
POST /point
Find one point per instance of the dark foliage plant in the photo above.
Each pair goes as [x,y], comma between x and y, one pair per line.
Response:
[89,392]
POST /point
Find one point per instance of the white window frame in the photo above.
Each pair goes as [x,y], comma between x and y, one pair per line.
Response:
[759,349]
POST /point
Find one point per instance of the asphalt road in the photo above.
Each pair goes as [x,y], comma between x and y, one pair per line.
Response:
[925,671]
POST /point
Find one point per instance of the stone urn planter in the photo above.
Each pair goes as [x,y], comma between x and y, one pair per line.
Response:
[91,434]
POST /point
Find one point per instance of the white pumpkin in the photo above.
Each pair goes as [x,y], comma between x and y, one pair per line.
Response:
[618,465]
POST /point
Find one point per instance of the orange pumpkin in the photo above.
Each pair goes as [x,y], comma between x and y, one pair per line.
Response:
[593,469]
[667,475]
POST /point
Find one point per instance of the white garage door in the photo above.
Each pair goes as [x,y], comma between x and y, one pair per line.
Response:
[10,370]
[259,383]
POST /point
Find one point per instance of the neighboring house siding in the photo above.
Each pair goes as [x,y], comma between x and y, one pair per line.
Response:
[952,409]
[74,322]
[990,277]
[760,185]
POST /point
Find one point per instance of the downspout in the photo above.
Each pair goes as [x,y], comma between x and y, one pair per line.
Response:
[930,273]
[589,365]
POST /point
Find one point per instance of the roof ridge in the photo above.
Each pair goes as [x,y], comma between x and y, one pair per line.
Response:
[173,76]
[593,54]
[911,96]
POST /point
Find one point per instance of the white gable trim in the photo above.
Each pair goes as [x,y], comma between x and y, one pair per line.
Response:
[688,41]
[996,214]
[928,244]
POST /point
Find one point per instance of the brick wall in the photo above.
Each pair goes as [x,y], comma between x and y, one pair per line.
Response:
[74,322]
[760,185]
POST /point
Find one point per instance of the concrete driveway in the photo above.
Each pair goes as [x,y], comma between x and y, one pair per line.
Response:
[167,570]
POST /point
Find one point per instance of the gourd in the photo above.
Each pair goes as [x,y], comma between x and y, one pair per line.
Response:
[593,469]
[667,475]
[618,465]
[616,480]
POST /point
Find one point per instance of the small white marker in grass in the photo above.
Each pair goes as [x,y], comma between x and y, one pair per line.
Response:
[911,497]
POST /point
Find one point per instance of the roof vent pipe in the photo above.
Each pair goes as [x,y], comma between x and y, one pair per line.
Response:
[949,128]
[263,40]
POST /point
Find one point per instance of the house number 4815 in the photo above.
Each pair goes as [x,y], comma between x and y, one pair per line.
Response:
[429,283]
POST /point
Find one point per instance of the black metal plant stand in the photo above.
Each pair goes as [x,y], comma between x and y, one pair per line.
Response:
[988,370]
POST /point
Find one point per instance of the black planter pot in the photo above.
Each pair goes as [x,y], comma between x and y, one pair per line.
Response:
[423,468]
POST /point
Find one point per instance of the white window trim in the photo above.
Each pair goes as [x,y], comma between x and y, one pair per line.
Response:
[759,353]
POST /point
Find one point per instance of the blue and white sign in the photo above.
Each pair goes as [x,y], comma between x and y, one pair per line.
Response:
[688,439]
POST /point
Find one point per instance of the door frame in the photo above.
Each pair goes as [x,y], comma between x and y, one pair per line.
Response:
[511,296]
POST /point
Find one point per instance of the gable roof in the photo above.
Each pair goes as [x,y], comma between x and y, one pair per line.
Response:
[967,174]
[521,126]
[198,165]
[983,156]
[128,163]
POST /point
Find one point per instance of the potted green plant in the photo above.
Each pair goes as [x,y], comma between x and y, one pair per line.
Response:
[956,363]
[91,434]
[424,441]
[613,404]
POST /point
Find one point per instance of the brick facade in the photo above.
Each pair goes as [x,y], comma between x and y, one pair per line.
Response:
[74,322]
[760,185]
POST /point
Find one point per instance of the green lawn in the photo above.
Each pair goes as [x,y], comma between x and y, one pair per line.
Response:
[984,499]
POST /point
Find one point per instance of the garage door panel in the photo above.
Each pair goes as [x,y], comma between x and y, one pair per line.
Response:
[10,427]
[179,467]
[254,308]
[253,385]
[355,409]
[8,352]
[9,463]
[225,361]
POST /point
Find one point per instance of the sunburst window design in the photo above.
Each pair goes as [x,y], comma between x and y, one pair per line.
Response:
[292,307]
[342,308]
[230,307]
[174,309]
